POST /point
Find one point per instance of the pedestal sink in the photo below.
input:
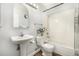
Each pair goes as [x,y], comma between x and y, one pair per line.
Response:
[22,41]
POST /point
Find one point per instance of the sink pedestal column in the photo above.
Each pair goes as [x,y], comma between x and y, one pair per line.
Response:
[23,49]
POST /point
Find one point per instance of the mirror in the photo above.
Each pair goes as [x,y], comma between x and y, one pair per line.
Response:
[21,16]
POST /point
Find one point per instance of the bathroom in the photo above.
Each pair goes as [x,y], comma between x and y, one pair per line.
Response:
[26,28]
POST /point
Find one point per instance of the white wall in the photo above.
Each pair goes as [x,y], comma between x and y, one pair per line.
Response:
[6,46]
[61,28]
[7,30]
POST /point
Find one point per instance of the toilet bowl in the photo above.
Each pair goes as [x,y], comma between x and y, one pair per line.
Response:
[47,49]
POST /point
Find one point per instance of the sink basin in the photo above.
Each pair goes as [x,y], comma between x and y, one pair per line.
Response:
[20,39]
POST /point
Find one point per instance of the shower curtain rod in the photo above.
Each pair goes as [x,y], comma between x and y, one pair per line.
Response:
[53,7]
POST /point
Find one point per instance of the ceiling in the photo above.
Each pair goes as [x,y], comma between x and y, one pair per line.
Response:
[44,6]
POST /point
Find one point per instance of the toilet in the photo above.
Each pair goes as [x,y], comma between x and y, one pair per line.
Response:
[46,47]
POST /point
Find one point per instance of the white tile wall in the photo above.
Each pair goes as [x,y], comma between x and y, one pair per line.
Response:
[61,28]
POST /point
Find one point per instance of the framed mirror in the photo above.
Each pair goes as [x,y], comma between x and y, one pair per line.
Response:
[20,16]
